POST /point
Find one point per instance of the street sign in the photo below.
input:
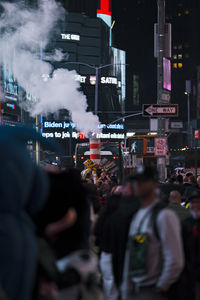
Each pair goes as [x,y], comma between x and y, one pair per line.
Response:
[177,125]
[163,110]
[161,146]
[166,97]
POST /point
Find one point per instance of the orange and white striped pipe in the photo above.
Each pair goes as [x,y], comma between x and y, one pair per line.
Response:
[95,150]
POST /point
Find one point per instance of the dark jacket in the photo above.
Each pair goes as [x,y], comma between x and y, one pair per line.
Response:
[191,234]
[20,191]
[181,211]
[121,220]
[103,227]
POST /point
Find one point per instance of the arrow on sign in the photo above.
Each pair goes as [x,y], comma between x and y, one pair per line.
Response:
[151,110]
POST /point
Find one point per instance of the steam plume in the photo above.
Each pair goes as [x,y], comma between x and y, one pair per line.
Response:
[24,33]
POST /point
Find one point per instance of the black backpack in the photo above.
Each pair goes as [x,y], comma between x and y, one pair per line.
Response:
[184,287]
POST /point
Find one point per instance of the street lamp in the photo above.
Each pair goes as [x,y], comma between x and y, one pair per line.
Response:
[96,68]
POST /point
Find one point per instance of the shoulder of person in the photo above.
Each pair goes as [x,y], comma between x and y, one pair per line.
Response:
[167,214]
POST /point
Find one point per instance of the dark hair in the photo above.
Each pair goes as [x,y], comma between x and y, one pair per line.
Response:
[179,178]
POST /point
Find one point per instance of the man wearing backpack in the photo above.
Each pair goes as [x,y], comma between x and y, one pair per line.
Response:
[154,256]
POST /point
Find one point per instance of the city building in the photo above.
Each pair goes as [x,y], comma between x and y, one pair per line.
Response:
[134,30]
[88,42]
[184,17]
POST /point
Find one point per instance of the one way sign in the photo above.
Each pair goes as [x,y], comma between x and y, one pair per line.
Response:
[156,110]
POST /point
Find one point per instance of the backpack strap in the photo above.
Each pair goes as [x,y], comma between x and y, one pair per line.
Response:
[155,211]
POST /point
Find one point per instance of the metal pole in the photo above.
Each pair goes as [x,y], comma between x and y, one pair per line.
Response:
[161,161]
[96,91]
[188,105]
[37,146]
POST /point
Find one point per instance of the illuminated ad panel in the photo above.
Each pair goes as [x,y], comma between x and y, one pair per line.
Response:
[119,70]
[9,84]
[167,74]
[105,11]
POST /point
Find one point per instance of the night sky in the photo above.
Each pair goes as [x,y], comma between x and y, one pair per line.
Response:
[133,32]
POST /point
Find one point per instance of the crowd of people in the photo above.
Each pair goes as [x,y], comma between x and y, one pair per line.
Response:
[63,237]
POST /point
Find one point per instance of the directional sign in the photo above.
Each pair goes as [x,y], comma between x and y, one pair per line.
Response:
[163,110]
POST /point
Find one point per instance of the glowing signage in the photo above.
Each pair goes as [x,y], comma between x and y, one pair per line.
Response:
[70,37]
[59,125]
[92,80]
[63,135]
[12,106]
[109,80]
[105,13]
[167,74]
[111,126]
[105,7]
[64,125]
[80,78]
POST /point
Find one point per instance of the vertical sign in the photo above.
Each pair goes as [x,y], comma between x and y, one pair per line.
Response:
[160,146]
[196,134]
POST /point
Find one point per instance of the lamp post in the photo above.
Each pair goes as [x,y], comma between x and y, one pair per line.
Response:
[188,118]
[96,68]
[188,93]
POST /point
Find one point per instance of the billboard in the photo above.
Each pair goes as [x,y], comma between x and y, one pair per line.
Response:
[119,71]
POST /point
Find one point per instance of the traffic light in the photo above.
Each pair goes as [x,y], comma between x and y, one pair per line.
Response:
[81,136]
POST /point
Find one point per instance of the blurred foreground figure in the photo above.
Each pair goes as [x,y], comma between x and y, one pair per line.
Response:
[154,253]
[23,190]
[191,229]
[64,223]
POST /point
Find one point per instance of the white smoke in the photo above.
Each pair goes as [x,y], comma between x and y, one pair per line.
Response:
[24,32]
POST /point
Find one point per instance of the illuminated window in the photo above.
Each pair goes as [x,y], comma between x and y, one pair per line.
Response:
[180,46]
[187,12]
[175,56]
[180,56]
[175,65]
[180,65]
[175,47]
[179,14]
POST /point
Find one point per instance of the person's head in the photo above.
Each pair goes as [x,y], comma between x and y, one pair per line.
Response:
[127,187]
[145,182]
[175,197]
[179,179]
[187,176]
[103,175]
[195,204]
[198,181]
[192,180]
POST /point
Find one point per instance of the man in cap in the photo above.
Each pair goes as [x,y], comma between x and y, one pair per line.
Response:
[154,254]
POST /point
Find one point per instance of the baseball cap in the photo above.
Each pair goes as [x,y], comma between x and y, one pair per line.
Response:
[194,194]
[145,173]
